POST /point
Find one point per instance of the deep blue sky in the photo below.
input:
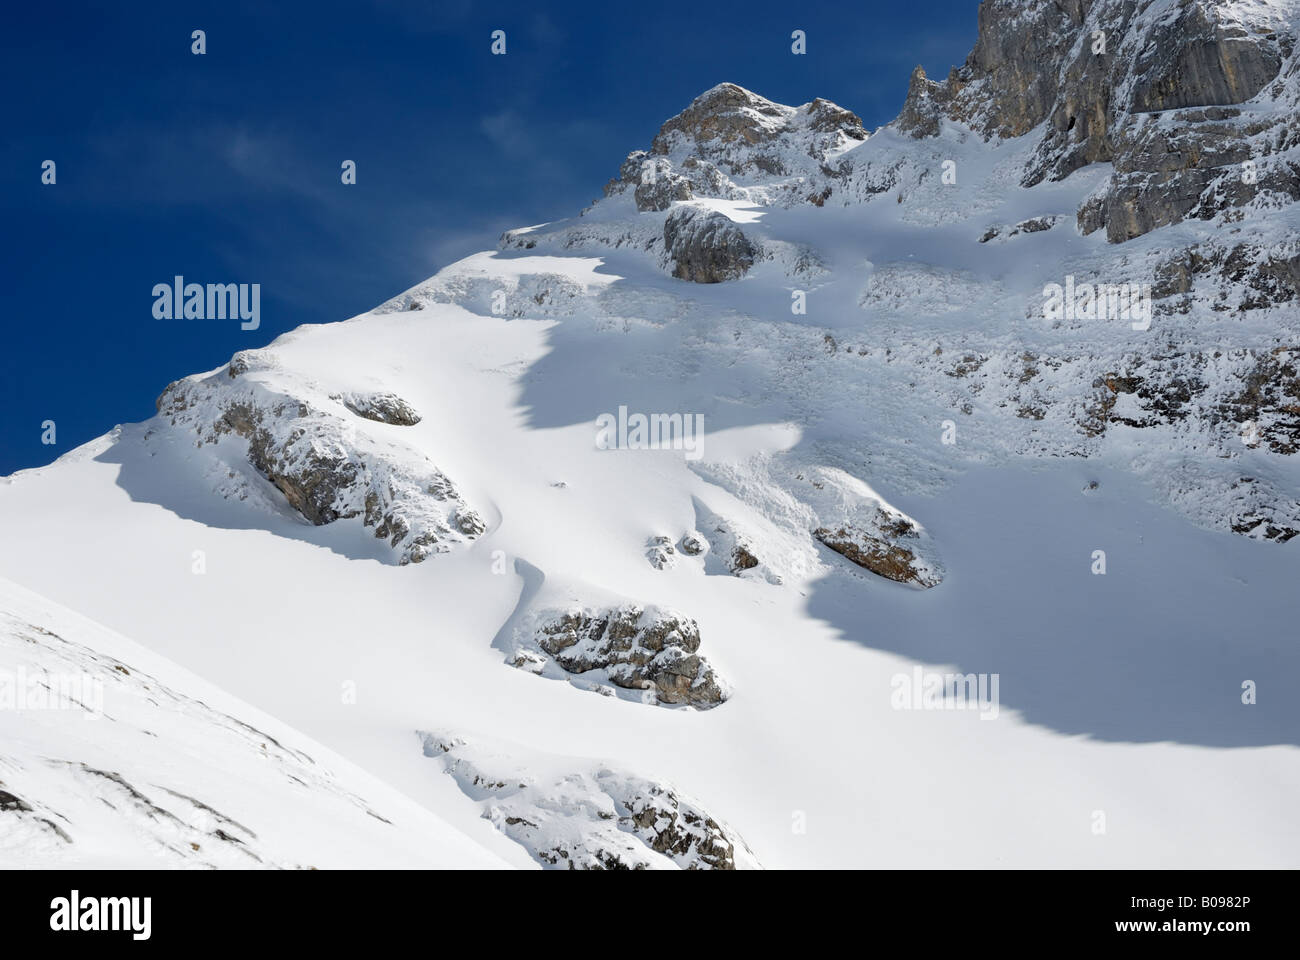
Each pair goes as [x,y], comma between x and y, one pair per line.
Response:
[225,167]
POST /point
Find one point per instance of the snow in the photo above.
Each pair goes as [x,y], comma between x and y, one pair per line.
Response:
[1121,693]
[736,211]
[147,765]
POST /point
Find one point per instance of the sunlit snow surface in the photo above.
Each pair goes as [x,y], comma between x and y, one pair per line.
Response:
[1119,693]
[1121,737]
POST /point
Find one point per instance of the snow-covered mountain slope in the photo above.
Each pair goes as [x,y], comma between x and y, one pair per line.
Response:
[111,756]
[884,460]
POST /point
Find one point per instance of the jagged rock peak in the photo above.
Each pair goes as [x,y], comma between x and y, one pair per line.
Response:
[742,131]
[733,144]
[926,103]
[726,112]
[729,113]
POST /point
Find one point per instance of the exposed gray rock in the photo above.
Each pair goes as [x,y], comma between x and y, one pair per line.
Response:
[1200,59]
[1032,225]
[634,647]
[325,469]
[1097,75]
[730,138]
[1233,276]
[706,247]
[657,186]
[693,545]
[725,114]
[728,116]
[660,552]
[926,105]
[239,363]
[381,407]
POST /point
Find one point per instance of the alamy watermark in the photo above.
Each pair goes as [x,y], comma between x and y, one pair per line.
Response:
[179,300]
[24,689]
[921,690]
[655,431]
[75,913]
[1100,301]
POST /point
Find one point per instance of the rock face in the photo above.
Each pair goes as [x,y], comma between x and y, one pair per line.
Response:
[593,818]
[1093,78]
[632,647]
[325,468]
[1200,58]
[706,247]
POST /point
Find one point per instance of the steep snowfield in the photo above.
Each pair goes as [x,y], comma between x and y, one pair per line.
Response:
[406,536]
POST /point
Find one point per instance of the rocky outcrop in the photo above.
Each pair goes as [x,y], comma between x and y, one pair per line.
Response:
[1231,276]
[324,467]
[881,549]
[1252,397]
[742,559]
[657,186]
[660,552]
[744,132]
[381,408]
[927,103]
[632,647]
[724,115]
[1032,225]
[707,247]
[1267,410]
[693,545]
[591,818]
